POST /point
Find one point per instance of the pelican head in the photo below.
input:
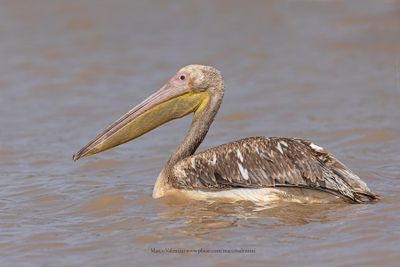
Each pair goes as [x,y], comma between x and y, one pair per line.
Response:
[188,91]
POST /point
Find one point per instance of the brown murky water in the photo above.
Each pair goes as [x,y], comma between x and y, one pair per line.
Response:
[321,70]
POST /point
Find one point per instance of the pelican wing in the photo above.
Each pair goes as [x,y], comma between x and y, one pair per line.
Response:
[258,162]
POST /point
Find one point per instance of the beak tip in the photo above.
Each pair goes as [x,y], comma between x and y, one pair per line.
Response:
[75,157]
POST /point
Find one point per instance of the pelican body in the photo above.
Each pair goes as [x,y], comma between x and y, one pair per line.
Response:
[257,169]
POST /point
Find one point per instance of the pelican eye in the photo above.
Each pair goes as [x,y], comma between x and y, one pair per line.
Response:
[182,77]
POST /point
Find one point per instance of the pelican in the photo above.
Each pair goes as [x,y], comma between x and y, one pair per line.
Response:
[257,169]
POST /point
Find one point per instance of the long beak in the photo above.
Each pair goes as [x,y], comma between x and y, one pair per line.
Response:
[166,104]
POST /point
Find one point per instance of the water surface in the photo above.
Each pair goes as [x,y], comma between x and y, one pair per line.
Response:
[321,70]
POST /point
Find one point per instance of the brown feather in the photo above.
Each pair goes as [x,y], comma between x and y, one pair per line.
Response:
[258,162]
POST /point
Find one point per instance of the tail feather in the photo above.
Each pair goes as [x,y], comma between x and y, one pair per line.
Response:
[360,190]
[366,197]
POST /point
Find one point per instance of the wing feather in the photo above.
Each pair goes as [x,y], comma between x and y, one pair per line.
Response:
[258,162]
